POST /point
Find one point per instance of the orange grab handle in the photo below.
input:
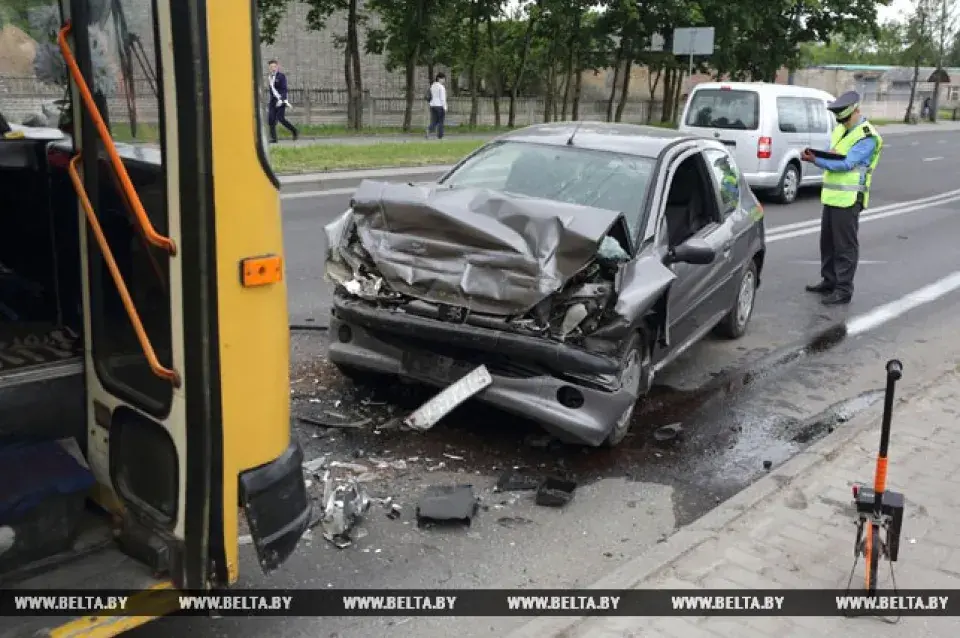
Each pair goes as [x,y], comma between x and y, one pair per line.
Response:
[880,479]
[155,366]
[149,231]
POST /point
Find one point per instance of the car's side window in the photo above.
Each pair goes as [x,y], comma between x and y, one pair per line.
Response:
[727,177]
[691,204]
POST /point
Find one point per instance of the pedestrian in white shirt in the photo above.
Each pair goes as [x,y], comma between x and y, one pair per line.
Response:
[438,105]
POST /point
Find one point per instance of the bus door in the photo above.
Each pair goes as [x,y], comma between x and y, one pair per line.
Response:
[149,434]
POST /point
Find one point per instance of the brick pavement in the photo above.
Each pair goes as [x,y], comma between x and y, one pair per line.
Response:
[798,533]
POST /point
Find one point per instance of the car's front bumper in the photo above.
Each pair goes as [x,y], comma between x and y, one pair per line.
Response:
[531,392]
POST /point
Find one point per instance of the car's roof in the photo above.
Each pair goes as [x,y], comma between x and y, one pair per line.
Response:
[631,139]
[766,87]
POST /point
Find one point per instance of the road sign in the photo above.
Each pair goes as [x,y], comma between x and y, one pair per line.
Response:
[693,41]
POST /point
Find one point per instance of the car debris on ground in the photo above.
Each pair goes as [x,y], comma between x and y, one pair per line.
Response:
[447,503]
[343,508]
[555,492]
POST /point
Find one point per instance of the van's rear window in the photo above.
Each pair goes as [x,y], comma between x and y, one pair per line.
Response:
[719,108]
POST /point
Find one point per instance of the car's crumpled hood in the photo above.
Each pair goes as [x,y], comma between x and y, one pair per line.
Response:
[486,250]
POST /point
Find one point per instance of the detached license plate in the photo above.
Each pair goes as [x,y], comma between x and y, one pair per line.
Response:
[435,368]
[428,414]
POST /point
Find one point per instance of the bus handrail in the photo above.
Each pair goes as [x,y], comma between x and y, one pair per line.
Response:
[151,233]
[155,366]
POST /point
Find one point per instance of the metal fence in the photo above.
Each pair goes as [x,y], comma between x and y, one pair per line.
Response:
[22,97]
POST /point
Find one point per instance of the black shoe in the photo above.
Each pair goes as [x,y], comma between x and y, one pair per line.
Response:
[837,298]
[296,135]
[822,288]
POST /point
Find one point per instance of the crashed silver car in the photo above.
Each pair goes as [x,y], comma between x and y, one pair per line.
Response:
[571,261]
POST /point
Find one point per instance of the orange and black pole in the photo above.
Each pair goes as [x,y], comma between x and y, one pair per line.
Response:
[894,372]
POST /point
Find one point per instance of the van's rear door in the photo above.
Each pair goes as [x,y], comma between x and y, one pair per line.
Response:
[731,116]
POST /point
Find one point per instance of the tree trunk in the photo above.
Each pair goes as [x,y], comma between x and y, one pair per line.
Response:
[521,65]
[353,45]
[577,88]
[653,79]
[616,79]
[571,58]
[495,70]
[431,72]
[913,91]
[550,96]
[626,89]
[474,57]
[410,87]
[348,79]
[668,80]
[675,111]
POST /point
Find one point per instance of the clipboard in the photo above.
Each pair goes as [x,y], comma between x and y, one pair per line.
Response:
[827,155]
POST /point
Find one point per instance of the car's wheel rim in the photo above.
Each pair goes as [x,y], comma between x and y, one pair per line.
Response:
[790,184]
[630,383]
[748,289]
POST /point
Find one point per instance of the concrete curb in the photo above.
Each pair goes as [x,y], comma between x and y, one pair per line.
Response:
[689,538]
[336,176]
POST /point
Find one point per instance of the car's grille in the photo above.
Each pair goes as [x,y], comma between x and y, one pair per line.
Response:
[498,364]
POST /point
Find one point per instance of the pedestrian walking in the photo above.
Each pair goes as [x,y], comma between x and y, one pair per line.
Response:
[277,108]
[845,193]
[438,105]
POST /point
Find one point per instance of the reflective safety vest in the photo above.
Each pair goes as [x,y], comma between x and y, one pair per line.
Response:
[841,188]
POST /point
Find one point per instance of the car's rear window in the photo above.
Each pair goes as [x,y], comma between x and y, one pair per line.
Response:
[723,108]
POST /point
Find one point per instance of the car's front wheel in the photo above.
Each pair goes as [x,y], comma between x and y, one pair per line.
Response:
[734,324]
[631,375]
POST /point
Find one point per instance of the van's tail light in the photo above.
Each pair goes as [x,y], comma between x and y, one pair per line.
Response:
[764,146]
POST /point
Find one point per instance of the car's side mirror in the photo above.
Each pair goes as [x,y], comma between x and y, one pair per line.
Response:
[692,251]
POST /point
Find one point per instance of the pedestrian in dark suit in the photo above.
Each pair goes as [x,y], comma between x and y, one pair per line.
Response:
[277,108]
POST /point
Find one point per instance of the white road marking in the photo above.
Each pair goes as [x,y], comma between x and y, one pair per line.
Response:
[798,229]
[932,159]
[863,219]
[898,307]
[914,143]
[816,262]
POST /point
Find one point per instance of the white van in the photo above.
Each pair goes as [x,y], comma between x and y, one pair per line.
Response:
[766,126]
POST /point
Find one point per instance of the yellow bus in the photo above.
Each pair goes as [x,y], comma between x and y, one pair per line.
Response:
[144,341]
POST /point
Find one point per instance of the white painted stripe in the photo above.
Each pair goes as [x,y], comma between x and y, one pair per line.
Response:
[932,159]
[889,311]
[327,193]
[864,219]
[870,212]
[816,262]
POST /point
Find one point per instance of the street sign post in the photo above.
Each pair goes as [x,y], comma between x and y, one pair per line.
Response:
[691,41]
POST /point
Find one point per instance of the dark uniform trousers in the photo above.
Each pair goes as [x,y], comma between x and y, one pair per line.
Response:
[840,245]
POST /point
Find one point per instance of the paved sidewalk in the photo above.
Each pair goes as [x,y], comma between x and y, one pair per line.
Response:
[794,529]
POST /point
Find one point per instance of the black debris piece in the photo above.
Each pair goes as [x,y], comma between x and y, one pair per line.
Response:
[767,465]
[447,503]
[555,492]
[511,481]
[668,434]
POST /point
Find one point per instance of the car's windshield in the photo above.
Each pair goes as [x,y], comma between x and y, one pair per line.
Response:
[723,108]
[613,181]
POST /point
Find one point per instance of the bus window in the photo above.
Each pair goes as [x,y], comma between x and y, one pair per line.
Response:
[128,88]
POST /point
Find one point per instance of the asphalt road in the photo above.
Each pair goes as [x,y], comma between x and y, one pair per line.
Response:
[758,399]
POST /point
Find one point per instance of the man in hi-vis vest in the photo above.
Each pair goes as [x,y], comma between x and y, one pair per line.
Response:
[845,193]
